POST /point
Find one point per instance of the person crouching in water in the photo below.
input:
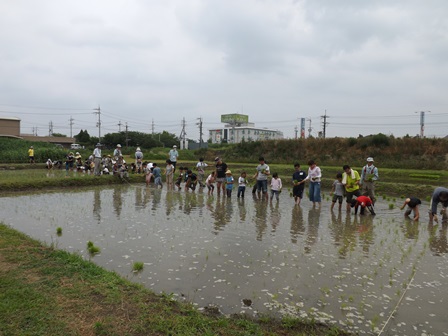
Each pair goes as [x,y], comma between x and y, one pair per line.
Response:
[210,182]
[363,202]
[412,203]
[440,195]
[191,180]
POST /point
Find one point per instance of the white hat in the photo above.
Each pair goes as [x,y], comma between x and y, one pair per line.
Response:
[174,146]
[370,159]
[228,171]
[119,145]
[138,148]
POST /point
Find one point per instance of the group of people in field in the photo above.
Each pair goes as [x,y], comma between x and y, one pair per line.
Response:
[358,189]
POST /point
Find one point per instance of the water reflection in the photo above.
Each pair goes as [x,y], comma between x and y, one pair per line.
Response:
[365,231]
[97,205]
[438,238]
[297,226]
[261,210]
[275,215]
[204,246]
[117,201]
[242,209]
[313,228]
[410,228]
[221,213]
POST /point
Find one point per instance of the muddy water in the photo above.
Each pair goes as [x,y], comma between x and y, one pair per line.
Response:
[370,275]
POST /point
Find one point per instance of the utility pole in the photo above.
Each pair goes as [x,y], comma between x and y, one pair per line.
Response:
[127,140]
[324,123]
[50,129]
[119,126]
[200,132]
[309,127]
[422,123]
[152,127]
[71,124]
[98,124]
[183,135]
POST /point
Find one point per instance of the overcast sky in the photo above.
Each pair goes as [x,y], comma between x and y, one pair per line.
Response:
[373,66]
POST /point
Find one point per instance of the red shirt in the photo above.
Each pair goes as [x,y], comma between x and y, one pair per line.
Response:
[364,199]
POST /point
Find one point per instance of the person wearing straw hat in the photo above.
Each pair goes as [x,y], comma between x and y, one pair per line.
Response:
[229,183]
[369,175]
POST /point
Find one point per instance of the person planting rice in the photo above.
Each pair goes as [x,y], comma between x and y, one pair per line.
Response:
[412,203]
[363,202]
[440,195]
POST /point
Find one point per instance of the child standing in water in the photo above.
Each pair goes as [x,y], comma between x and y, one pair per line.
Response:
[169,172]
[229,183]
[241,185]
[276,186]
[148,173]
[338,191]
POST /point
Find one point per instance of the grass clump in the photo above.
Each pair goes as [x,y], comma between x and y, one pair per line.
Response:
[137,266]
[59,231]
[92,248]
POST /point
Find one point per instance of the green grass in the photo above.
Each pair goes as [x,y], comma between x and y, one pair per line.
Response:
[137,266]
[44,291]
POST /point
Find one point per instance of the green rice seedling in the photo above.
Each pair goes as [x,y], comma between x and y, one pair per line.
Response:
[92,248]
[391,206]
[59,231]
[137,266]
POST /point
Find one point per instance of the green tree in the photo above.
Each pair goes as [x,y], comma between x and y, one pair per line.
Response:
[59,135]
[83,137]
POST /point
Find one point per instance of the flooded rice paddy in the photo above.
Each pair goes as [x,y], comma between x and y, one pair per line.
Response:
[370,275]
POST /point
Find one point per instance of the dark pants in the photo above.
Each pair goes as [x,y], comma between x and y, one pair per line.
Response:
[241,190]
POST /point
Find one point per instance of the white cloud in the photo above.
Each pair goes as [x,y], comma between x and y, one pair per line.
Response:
[276,61]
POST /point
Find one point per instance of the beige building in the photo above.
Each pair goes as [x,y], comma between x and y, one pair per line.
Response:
[238,129]
[10,127]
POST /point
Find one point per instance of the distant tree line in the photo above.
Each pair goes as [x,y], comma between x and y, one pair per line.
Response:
[129,139]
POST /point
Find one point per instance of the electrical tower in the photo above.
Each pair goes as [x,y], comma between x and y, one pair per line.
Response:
[127,139]
[71,124]
[422,123]
[98,124]
[296,130]
[119,126]
[183,136]
[50,129]
[200,132]
[324,123]
[309,127]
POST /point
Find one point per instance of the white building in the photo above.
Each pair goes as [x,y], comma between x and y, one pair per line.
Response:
[239,129]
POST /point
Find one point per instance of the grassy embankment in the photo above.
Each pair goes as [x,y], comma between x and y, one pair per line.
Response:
[45,291]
